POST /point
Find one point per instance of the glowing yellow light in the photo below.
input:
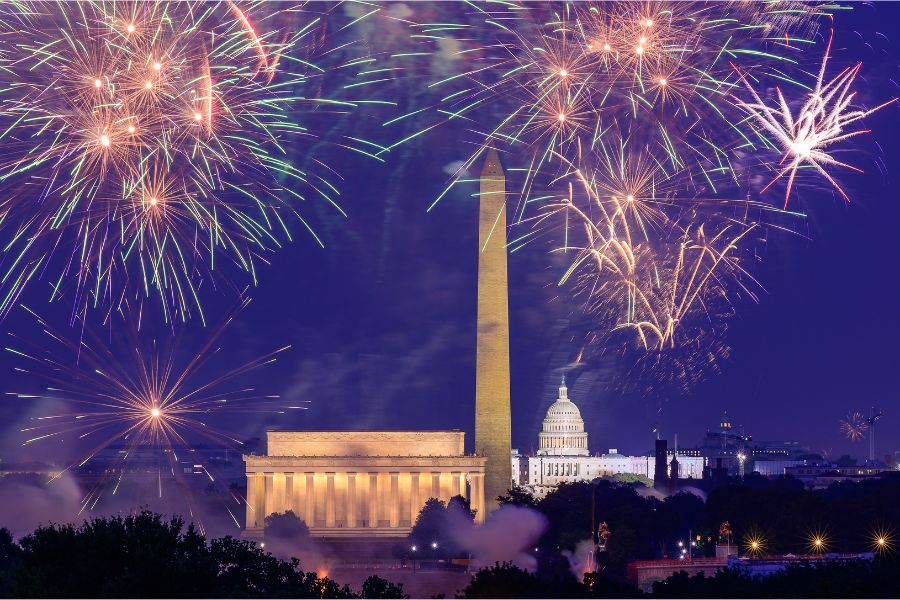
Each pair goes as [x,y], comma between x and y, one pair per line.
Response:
[643,40]
[818,542]
[98,83]
[754,544]
[154,202]
[157,66]
[131,129]
[648,23]
[561,117]
[155,412]
[607,47]
[104,140]
[197,116]
[630,198]
[881,541]
[130,28]
[639,50]
[563,73]
[148,85]
[663,81]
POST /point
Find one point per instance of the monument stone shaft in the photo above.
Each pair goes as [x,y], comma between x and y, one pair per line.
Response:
[492,410]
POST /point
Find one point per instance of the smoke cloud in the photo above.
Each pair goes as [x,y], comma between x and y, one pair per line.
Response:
[507,535]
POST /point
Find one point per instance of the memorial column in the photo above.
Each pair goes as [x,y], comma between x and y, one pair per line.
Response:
[351,499]
[329,500]
[395,500]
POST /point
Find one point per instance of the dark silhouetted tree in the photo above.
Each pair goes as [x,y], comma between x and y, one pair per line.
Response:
[518,496]
[434,532]
[509,581]
[9,562]
[377,587]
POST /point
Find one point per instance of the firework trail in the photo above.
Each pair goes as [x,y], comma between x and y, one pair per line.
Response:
[657,282]
[145,144]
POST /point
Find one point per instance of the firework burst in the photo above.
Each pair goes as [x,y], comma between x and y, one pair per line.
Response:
[854,426]
[145,144]
[553,74]
[634,105]
[135,391]
[807,135]
[657,267]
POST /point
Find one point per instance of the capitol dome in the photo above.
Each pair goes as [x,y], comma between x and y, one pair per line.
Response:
[563,432]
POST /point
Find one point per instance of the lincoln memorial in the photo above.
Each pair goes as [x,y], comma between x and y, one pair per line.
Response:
[359,483]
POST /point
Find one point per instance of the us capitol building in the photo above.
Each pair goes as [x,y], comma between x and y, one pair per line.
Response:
[563,455]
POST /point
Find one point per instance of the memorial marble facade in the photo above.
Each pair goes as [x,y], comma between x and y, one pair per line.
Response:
[359,483]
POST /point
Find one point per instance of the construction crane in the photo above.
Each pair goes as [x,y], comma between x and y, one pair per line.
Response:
[873,417]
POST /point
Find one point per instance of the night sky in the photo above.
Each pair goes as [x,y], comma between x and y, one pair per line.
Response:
[382,321]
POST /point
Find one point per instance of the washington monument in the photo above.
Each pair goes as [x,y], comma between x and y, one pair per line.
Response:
[492,412]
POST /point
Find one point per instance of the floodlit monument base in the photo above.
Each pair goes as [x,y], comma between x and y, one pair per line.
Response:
[359,483]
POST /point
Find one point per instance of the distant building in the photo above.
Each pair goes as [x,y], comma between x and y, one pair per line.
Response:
[722,445]
[644,573]
[767,565]
[564,456]
[774,468]
[660,472]
[821,475]
[894,460]
[519,468]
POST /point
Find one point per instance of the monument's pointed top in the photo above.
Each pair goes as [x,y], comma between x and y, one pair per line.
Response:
[492,166]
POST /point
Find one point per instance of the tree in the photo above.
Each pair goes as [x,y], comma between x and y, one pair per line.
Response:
[9,562]
[845,460]
[286,535]
[246,571]
[518,496]
[136,555]
[145,556]
[509,581]
[501,581]
[855,579]
[434,534]
[377,587]
[598,586]
[285,526]
[633,478]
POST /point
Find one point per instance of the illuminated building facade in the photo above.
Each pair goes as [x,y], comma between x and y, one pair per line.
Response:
[563,454]
[359,483]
